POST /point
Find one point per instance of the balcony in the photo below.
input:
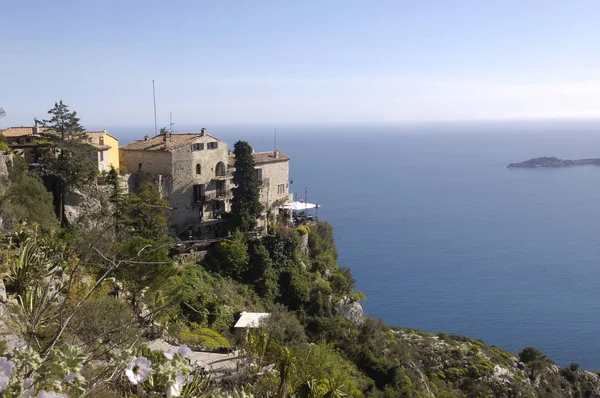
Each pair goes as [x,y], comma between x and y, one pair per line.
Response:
[217,195]
[222,195]
[263,182]
[221,177]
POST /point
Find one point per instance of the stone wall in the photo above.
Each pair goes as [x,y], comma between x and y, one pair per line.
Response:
[153,162]
[274,175]
[185,160]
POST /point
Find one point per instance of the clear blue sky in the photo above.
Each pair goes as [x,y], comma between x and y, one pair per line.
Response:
[274,62]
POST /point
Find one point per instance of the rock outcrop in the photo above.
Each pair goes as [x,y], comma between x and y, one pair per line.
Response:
[349,309]
[552,162]
[9,332]
[5,163]
[87,208]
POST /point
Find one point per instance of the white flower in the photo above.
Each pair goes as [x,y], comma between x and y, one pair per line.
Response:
[6,369]
[70,377]
[50,394]
[175,389]
[266,369]
[183,350]
[20,344]
[138,370]
[28,387]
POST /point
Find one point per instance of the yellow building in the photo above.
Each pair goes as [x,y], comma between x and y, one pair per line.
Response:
[102,138]
[23,141]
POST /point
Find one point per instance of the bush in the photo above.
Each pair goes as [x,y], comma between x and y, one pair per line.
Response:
[229,258]
[303,229]
[203,337]
[26,199]
[284,327]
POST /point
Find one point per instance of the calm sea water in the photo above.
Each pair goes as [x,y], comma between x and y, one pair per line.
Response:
[441,237]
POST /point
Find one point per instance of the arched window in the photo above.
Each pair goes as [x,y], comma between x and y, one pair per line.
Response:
[198,170]
[220,170]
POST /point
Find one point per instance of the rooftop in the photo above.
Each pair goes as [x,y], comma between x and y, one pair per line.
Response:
[22,131]
[15,132]
[158,143]
[250,319]
[263,157]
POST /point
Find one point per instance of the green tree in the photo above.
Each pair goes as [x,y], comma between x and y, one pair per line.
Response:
[261,272]
[145,264]
[143,214]
[71,159]
[287,367]
[26,199]
[245,206]
[229,257]
[283,327]
[533,357]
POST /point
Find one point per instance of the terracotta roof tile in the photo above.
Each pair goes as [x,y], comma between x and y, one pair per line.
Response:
[158,143]
[14,132]
[20,131]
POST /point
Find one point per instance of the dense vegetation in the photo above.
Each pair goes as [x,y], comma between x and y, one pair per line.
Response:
[85,298]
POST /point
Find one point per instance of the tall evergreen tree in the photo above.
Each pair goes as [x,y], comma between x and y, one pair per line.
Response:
[71,160]
[245,206]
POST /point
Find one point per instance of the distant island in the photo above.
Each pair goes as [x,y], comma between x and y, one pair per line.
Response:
[552,162]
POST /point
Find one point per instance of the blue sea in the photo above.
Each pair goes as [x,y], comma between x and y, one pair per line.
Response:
[440,236]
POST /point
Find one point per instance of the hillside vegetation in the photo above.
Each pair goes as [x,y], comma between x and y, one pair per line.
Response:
[83,299]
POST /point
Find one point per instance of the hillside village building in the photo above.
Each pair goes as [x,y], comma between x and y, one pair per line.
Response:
[24,142]
[194,173]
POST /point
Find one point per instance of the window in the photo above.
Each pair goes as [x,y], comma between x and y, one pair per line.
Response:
[259,175]
[101,156]
[139,167]
[198,170]
[280,189]
[197,147]
[198,193]
[220,170]
[101,140]
[212,145]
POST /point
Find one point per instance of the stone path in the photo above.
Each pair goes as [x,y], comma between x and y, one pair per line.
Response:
[216,363]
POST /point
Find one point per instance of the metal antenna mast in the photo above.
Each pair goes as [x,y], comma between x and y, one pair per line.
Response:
[274,139]
[154,96]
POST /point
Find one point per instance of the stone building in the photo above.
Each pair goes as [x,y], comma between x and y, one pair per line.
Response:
[194,173]
[24,141]
[273,174]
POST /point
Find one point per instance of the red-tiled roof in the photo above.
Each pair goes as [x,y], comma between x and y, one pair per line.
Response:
[12,132]
[158,143]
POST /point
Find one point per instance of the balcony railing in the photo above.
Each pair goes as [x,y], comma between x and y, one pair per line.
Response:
[221,176]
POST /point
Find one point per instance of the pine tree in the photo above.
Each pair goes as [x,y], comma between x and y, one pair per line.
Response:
[245,206]
[71,160]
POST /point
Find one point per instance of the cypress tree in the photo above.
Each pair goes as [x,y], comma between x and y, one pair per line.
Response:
[245,207]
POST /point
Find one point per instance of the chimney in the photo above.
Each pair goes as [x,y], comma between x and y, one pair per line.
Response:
[167,140]
[146,138]
[36,130]
[276,154]
[202,132]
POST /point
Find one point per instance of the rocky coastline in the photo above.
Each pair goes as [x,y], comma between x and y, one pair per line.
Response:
[553,162]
